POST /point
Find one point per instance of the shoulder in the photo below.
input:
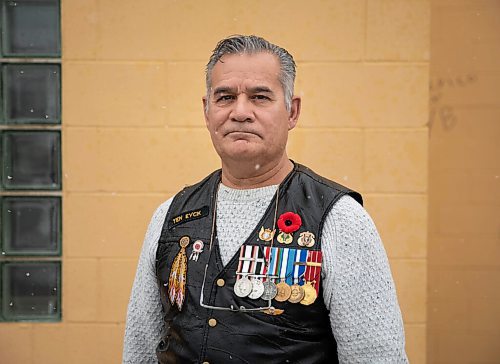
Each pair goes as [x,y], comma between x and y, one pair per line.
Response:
[324,183]
[155,227]
[348,209]
[350,228]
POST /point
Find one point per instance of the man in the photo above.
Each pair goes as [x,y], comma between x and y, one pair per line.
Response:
[263,261]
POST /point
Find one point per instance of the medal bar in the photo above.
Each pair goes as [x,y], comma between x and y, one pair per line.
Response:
[309,264]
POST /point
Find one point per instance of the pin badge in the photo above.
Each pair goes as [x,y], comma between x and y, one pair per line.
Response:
[306,239]
[288,223]
[266,234]
[197,249]
[284,238]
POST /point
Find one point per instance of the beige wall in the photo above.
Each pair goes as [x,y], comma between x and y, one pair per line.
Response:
[464,197]
[133,134]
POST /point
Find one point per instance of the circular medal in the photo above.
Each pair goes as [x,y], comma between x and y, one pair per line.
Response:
[310,294]
[284,292]
[270,290]
[257,289]
[243,287]
[297,294]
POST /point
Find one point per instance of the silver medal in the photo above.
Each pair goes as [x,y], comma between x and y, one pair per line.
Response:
[270,290]
[243,287]
[257,289]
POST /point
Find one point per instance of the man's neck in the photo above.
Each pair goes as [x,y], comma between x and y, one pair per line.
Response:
[250,175]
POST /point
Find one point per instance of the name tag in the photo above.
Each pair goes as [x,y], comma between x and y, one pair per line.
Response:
[189,216]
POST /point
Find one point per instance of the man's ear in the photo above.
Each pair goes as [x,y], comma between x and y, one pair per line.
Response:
[294,112]
[205,108]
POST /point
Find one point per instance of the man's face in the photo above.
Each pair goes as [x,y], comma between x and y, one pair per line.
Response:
[246,115]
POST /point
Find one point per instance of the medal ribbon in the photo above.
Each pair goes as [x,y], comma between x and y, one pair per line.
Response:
[283,263]
[240,263]
[247,255]
[313,274]
[298,272]
[289,266]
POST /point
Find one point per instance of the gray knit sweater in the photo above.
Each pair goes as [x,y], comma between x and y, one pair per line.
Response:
[357,284]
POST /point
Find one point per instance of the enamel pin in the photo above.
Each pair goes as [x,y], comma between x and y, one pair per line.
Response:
[288,223]
[197,249]
[266,234]
[306,239]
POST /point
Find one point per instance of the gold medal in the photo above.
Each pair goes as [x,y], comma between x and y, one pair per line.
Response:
[310,294]
[297,294]
[266,234]
[285,238]
[284,292]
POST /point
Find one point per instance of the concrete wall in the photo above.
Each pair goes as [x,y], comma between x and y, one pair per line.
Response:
[464,193]
[133,134]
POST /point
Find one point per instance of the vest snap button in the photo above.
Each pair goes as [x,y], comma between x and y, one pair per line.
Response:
[212,322]
[221,282]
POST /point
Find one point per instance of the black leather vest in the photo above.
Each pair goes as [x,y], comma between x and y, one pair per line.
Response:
[301,334]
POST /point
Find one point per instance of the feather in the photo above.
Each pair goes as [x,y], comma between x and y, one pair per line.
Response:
[172,280]
[181,287]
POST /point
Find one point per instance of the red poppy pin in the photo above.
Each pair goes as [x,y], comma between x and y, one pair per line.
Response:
[288,222]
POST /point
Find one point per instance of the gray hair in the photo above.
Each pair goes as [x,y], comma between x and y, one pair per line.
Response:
[250,44]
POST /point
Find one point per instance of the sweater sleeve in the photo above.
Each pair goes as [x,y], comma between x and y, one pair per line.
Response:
[144,324]
[358,288]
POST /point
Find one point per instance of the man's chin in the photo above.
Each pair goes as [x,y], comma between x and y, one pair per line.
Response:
[240,153]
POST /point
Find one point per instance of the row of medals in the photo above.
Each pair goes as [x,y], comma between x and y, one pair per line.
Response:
[254,288]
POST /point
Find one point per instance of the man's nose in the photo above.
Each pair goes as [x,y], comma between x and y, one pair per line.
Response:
[242,109]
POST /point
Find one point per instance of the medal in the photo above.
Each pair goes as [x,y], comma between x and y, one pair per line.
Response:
[266,234]
[257,289]
[178,273]
[197,249]
[284,292]
[297,294]
[243,287]
[270,291]
[310,294]
[306,239]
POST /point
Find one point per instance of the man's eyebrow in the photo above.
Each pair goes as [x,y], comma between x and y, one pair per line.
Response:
[260,89]
[252,90]
[223,90]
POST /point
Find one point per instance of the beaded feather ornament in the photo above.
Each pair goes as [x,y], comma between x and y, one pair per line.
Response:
[178,273]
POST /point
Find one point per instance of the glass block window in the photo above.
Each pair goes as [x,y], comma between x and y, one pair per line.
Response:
[31,225]
[30,291]
[31,93]
[31,28]
[30,160]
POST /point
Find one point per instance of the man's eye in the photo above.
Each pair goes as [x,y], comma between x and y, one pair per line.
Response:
[224,98]
[261,97]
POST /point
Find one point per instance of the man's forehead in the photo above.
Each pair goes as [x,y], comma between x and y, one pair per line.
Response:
[246,70]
